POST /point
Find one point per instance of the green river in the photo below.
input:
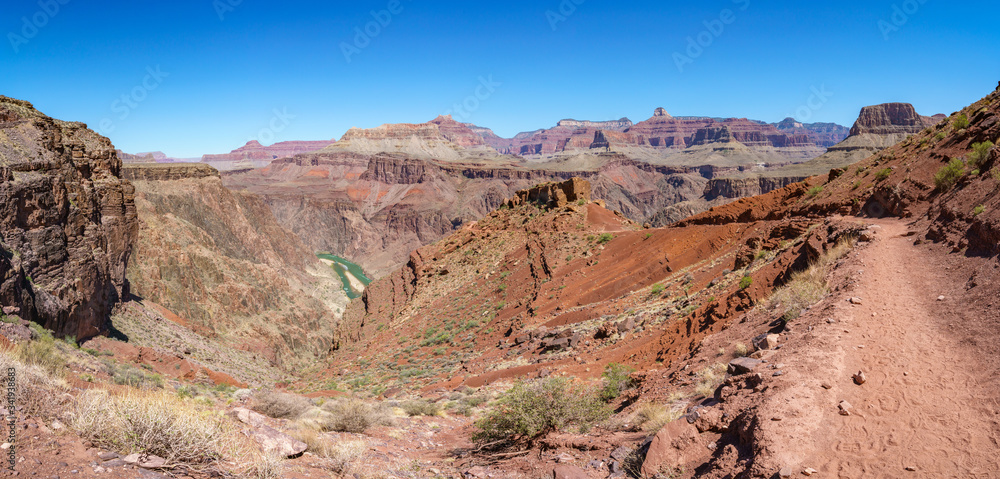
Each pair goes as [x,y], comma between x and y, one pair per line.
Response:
[344,268]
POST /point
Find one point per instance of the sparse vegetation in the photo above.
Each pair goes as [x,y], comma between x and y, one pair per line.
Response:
[948,175]
[741,350]
[708,380]
[940,136]
[420,407]
[153,423]
[617,379]
[42,351]
[529,410]
[279,405]
[746,282]
[978,210]
[814,191]
[883,174]
[807,287]
[349,415]
[657,289]
[131,376]
[651,417]
[605,237]
[38,390]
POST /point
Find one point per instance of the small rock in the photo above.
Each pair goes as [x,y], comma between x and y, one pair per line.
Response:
[113,463]
[845,408]
[5,446]
[911,468]
[855,300]
[98,469]
[56,425]
[826,386]
[785,472]
[809,471]
[477,471]
[564,458]
[860,378]
[107,456]
[778,373]
[566,471]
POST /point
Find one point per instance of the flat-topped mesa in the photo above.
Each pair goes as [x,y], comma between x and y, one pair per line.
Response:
[554,195]
[458,133]
[253,150]
[167,171]
[890,118]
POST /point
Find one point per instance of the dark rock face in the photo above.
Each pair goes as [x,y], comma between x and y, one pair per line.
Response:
[67,222]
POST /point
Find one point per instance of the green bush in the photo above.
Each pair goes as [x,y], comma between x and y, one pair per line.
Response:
[961,122]
[420,407]
[884,174]
[814,191]
[980,153]
[948,175]
[940,136]
[616,380]
[530,410]
[606,237]
[978,210]
[746,282]
[657,289]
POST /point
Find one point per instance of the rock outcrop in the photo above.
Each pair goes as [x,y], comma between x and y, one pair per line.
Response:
[68,222]
[259,155]
[889,119]
[554,195]
[621,124]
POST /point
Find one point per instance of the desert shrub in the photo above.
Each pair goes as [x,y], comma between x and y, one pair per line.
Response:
[883,174]
[605,237]
[530,410]
[980,154]
[420,407]
[816,190]
[978,210]
[154,423]
[657,289]
[279,405]
[940,136]
[651,417]
[961,122]
[131,376]
[354,415]
[948,175]
[345,454]
[741,350]
[746,282]
[265,466]
[617,379]
[37,390]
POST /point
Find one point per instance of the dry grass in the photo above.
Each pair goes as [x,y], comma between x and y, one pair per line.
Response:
[345,456]
[809,286]
[265,466]
[279,405]
[420,407]
[709,379]
[37,390]
[651,417]
[155,423]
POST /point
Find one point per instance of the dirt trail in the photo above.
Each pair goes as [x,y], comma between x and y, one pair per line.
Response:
[925,410]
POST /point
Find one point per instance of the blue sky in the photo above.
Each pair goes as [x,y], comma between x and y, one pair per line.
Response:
[227,71]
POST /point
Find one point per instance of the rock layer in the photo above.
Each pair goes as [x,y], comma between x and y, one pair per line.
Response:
[68,222]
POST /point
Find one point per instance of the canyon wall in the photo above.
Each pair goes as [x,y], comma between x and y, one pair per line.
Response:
[67,222]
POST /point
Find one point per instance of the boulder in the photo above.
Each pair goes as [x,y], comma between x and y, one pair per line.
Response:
[677,444]
[278,442]
[568,471]
[743,365]
[249,417]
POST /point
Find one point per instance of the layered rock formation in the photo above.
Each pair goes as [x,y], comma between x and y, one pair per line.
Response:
[68,222]
[375,209]
[220,260]
[822,134]
[613,125]
[256,154]
[877,128]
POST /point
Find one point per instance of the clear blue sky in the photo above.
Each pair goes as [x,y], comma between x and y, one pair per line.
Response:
[607,59]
